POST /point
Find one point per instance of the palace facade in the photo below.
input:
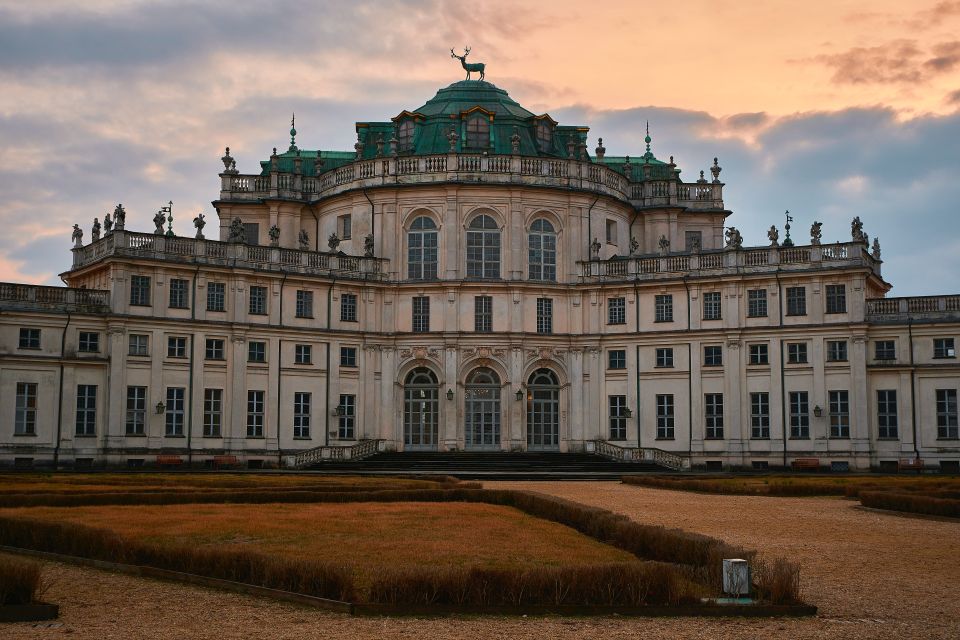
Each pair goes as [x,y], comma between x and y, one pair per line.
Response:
[472,277]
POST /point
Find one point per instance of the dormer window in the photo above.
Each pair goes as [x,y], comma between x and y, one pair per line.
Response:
[478,132]
[405,136]
[545,135]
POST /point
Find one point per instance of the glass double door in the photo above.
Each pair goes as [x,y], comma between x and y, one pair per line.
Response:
[482,411]
[421,411]
[543,419]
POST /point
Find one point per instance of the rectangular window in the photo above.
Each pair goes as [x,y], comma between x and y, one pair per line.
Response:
[713,416]
[663,308]
[665,417]
[759,354]
[176,347]
[947,414]
[140,291]
[345,227]
[665,357]
[796,301]
[618,417]
[797,352]
[301,415]
[25,417]
[617,359]
[255,404]
[29,338]
[139,344]
[136,410]
[212,413]
[616,311]
[757,303]
[251,230]
[214,349]
[304,304]
[258,301]
[216,296]
[348,356]
[178,293]
[348,307]
[421,314]
[839,414]
[611,232]
[348,416]
[713,356]
[885,350]
[483,314]
[693,240]
[836,298]
[544,315]
[760,415]
[256,351]
[175,413]
[89,342]
[887,420]
[711,305]
[302,354]
[836,351]
[86,410]
[799,415]
[943,348]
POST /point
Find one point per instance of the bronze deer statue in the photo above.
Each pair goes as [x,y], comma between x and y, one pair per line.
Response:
[476,66]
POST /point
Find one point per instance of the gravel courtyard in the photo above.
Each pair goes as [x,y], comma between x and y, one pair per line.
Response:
[873,575]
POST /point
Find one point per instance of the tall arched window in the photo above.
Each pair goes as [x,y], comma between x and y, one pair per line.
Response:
[421,409]
[542,244]
[478,132]
[483,248]
[405,135]
[422,250]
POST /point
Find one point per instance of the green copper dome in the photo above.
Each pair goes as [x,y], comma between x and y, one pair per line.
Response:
[467,94]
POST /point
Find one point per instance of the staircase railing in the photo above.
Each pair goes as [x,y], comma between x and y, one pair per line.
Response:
[360,450]
[663,458]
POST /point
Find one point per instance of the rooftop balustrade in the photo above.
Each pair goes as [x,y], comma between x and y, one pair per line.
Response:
[228,254]
[63,299]
[915,309]
[473,169]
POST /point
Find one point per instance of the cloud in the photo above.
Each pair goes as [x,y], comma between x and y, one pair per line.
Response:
[947,55]
[954,97]
[896,62]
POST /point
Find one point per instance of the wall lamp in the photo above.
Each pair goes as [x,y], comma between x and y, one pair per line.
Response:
[628,412]
[519,395]
[160,407]
[817,411]
[338,410]
[449,394]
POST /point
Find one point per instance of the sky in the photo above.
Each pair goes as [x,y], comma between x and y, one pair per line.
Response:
[828,108]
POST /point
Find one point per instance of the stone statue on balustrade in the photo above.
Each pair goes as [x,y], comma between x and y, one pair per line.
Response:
[158,221]
[634,246]
[333,241]
[734,239]
[95,232]
[664,244]
[119,217]
[77,236]
[595,248]
[515,141]
[368,245]
[274,234]
[237,232]
[304,240]
[452,138]
[107,225]
[816,232]
[856,230]
[876,249]
[199,223]
[773,235]
[380,146]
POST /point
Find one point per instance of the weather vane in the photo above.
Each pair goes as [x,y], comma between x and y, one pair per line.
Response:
[787,242]
[473,66]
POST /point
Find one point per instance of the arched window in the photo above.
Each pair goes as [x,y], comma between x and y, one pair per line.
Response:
[422,250]
[483,248]
[542,244]
[544,135]
[543,410]
[405,136]
[482,410]
[478,132]
[421,409]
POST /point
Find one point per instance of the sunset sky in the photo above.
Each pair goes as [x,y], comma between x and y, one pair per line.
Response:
[828,109]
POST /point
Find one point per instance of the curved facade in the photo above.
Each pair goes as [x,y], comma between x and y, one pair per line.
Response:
[471,277]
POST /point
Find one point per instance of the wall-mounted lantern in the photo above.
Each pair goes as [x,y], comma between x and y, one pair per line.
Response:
[817,411]
[449,394]
[519,395]
[160,407]
[338,410]
[628,412]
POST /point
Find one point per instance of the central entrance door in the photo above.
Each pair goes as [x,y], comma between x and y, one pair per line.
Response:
[543,411]
[482,410]
[420,410]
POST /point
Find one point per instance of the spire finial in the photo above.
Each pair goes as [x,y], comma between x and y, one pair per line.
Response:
[648,139]
[293,132]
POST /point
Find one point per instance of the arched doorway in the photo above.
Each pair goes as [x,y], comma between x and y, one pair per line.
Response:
[543,411]
[482,410]
[421,408]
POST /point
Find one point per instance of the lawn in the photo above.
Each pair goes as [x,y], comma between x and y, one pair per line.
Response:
[792,485]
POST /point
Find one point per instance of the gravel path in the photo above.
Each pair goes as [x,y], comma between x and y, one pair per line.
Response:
[873,575]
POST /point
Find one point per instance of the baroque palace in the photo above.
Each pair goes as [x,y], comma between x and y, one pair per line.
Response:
[471,277]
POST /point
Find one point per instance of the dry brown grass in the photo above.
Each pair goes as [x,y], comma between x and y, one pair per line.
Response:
[789,485]
[19,580]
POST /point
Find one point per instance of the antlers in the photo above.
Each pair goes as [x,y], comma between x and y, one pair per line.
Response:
[466,52]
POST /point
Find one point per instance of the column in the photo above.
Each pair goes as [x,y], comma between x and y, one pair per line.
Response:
[388,376]
[449,411]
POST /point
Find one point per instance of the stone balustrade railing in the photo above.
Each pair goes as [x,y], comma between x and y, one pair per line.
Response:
[660,457]
[472,168]
[358,451]
[214,252]
[744,259]
[30,296]
[913,308]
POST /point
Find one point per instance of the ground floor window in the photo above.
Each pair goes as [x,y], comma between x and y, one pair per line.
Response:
[86,410]
[136,411]
[25,416]
[665,417]
[760,415]
[212,413]
[799,414]
[887,413]
[618,417]
[839,414]
[301,414]
[713,415]
[348,415]
[175,414]
[255,402]
[947,428]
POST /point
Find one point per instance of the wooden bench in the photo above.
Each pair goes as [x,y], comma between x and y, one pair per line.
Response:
[910,464]
[169,461]
[805,464]
[221,462]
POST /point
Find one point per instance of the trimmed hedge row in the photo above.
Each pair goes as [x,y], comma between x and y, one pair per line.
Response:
[911,502]
[19,581]
[773,487]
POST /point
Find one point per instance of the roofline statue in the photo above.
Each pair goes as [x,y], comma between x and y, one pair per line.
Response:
[473,66]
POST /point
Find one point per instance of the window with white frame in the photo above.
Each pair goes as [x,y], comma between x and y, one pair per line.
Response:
[799,415]
[887,420]
[175,411]
[757,303]
[179,292]
[136,417]
[140,291]
[713,416]
[348,307]
[796,352]
[836,298]
[478,132]
[617,359]
[839,414]
[304,307]
[89,342]
[545,315]
[483,248]
[422,249]
[616,310]
[301,414]
[348,415]
[405,136]
[86,421]
[943,348]
[665,415]
[139,344]
[348,356]
[214,349]
[258,301]
[176,346]
[255,413]
[885,350]
[713,355]
[618,417]
[25,411]
[664,357]
[216,296]
[421,314]
[663,308]
[760,415]
[256,351]
[796,301]
[483,314]
[542,251]
[836,351]
[212,413]
[711,305]
[29,338]
[759,354]
[947,428]
[302,354]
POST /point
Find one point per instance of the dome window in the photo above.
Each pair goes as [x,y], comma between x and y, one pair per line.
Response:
[545,135]
[478,132]
[405,136]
